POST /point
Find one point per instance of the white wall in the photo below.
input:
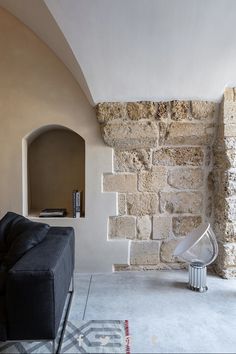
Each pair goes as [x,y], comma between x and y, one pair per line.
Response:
[134,50]
[37,90]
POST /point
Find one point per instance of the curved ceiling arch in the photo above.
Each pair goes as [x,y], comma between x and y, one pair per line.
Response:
[131,50]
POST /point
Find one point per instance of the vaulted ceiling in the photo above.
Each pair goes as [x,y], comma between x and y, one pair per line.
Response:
[128,50]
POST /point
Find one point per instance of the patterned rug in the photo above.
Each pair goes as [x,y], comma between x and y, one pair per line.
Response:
[84,337]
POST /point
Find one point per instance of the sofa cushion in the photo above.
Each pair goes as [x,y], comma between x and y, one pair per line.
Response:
[5,224]
[20,235]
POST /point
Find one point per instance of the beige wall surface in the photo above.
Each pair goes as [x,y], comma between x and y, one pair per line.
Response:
[37,90]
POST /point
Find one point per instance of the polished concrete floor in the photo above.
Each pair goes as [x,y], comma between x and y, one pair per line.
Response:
[164,316]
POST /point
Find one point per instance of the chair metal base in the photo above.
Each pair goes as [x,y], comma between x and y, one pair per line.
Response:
[197,277]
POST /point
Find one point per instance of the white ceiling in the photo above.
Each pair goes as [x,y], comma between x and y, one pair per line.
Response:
[132,50]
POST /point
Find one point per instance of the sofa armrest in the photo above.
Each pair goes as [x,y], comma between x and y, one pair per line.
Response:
[37,286]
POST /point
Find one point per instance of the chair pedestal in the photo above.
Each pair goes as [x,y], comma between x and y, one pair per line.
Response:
[197,277]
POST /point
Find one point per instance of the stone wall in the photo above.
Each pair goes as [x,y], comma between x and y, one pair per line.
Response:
[225,185]
[162,174]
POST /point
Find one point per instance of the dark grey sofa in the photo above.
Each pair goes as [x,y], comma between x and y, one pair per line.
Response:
[33,290]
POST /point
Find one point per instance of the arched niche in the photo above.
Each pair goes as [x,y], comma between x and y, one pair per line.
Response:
[55,167]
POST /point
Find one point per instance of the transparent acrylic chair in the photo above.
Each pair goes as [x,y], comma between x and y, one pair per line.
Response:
[199,249]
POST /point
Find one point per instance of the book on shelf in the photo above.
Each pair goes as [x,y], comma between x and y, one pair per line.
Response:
[53,212]
[76,203]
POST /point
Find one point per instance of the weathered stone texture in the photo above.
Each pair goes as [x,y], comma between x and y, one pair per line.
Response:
[140,110]
[177,133]
[230,130]
[230,209]
[161,227]
[132,135]
[122,227]
[181,202]
[230,94]
[225,231]
[162,110]
[110,110]
[119,182]
[162,156]
[182,225]
[225,209]
[132,160]
[227,254]
[225,159]
[167,249]
[229,143]
[229,111]
[122,207]
[203,110]
[152,181]
[179,110]
[185,178]
[181,156]
[144,227]
[142,204]
[144,252]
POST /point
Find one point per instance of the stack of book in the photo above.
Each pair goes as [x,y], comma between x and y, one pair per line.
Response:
[52,213]
[76,203]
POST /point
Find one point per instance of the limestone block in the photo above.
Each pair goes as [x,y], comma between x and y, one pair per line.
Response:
[203,110]
[119,182]
[228,183]
[161,227]
[142,204]
[140,110]
[230,129]
[179,133]
[182,225]
[225,209]
[225,231]
[181,156]
[179,110]
[229,112]
[185,178]
[229,94]
[110,110]
[122,227]
[152,181]
[229,143]
[230,208]
[227,273]
[132,160]
[122,207]
[225,159]
[147,267]
[227,254]
[162,110]
[167,249]
[144,252]
[181,202]
[230,158]
[130,135]
[144,227]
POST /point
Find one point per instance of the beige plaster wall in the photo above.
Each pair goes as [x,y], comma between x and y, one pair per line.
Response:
[37,90]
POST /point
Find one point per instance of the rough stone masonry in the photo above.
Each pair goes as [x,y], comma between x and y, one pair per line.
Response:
[164,176]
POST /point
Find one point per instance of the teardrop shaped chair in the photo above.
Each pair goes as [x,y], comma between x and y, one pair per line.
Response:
[199,249]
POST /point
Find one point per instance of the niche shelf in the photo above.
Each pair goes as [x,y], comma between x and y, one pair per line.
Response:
[55,167]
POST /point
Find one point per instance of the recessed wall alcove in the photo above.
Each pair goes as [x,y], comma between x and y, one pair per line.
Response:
[55,167]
